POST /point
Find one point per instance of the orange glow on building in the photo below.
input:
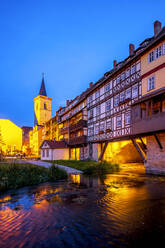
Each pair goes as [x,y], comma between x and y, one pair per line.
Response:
[10,137]
[121,152]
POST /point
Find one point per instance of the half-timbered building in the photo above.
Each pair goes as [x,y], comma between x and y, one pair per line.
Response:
[148,113]
[72,123]
[110,100]
[124,110]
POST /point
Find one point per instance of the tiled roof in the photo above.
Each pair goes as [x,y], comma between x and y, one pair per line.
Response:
[54,144]
[43,89]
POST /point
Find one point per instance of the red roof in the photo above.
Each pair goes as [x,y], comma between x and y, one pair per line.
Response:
[54,144]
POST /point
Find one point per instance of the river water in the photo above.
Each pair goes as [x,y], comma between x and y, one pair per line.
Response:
[124,209]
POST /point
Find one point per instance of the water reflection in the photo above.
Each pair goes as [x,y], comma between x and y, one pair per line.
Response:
[123,209]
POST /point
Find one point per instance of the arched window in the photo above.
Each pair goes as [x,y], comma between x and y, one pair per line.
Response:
[45,105]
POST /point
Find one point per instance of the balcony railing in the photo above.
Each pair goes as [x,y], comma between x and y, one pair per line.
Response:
[72,128]
[155,123]
[81,124]
[64,130]
[80,140]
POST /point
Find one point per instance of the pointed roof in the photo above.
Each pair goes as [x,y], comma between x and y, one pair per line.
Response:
[43,89]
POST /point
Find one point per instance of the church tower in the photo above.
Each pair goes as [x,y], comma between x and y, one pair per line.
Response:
[42,106]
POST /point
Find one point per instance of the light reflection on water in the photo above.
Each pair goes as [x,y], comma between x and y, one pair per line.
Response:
[123,209]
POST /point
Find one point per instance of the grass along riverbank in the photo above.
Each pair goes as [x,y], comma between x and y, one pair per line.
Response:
[13,176]
[90,167]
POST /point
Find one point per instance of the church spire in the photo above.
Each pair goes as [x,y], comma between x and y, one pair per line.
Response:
[42,89]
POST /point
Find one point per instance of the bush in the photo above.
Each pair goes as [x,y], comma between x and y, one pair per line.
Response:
[13,176]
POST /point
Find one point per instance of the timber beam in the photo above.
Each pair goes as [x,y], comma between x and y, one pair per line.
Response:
[143,144]
[138,149]
[103,151]
[158,141]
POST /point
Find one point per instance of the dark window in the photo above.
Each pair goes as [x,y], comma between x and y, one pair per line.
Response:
[45,106]
[116,101]
[118,121]
[108,105]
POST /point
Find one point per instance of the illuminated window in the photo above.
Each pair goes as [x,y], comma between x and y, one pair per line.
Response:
[151,83]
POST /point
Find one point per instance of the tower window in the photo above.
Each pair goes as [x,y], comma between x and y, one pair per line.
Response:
[45,106]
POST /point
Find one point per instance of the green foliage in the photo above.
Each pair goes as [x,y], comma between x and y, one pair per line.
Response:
[13,176]
[56,173]
[90,167]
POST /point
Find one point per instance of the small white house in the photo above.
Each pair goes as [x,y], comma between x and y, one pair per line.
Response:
[54,150]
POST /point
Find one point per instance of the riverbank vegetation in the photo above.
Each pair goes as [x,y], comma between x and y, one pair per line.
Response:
[90,167]
[13,176]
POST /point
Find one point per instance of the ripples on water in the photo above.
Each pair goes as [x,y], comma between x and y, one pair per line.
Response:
[124,209]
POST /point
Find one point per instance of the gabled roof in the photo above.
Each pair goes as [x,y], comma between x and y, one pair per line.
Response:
[43,89]
[54,144]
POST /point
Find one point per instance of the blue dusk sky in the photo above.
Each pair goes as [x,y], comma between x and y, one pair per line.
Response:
[73,42]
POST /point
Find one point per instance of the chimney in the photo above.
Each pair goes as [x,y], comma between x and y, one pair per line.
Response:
[90,84]
[157,27]
[67,102]
[60,108]
[114,64]
[131,49]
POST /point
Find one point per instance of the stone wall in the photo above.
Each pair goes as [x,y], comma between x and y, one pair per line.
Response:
[95,152]
[155,156]
[89,152]
[84,153]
